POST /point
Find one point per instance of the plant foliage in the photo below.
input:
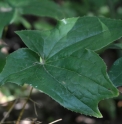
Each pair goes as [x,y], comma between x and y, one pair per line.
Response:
[115,72]
[63,62]
[12,10]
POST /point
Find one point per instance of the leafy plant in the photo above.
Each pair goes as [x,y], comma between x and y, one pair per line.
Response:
[5,18]
[64,64]
[12,11]
[115,72]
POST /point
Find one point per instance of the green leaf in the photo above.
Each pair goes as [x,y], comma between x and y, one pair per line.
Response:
[66,80]
[97,3]
[16,3]
[116,46]
[5,18]
[73,34]
[38,8]
[115,72]
[2,61]
[58,63]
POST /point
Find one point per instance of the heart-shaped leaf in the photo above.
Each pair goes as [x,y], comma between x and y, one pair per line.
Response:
[58,63]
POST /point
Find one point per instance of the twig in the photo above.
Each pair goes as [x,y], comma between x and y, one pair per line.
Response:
[32,101]
[35,102]
[35,109]
[22,111]
[6,115]
[55,121]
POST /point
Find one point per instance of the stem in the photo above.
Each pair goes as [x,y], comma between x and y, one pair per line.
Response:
[23,108]
[6,115]
[55,121]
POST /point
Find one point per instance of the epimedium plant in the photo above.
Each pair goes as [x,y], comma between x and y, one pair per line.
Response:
[64,62]
[12,11]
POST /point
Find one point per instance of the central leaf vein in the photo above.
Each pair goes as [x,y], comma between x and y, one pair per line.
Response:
[79,75]
[67,89]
